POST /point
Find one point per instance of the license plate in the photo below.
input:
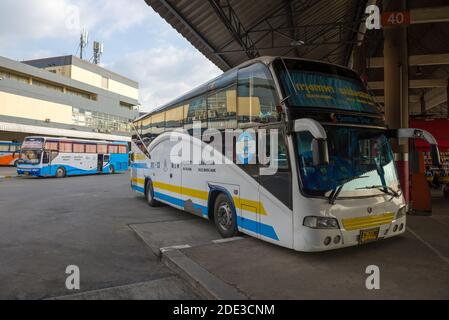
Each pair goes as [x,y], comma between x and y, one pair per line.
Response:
[26,173]
[368,235]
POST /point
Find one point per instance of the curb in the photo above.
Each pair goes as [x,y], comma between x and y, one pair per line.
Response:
[199,278]
[8,177]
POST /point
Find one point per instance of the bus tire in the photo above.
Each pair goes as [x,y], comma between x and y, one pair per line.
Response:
[60,172]
[111,169]
[224,217]
[149,194]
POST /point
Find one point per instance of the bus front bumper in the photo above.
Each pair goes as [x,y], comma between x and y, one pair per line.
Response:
[329,239]
[29,172]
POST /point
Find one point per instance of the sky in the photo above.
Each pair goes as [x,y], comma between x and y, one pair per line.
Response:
[138,43]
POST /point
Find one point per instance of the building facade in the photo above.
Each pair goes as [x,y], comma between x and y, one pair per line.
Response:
[65,96]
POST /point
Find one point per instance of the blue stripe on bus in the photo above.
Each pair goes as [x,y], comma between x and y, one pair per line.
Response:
[137,188]
[245,223]
[179,202]
[257,227]
[139,165]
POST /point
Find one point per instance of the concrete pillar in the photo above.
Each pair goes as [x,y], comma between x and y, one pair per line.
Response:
[447,98]
[396,84]
[423,104]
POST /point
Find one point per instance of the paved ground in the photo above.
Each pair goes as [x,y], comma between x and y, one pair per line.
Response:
[7,171]
[47,224]
[97,223]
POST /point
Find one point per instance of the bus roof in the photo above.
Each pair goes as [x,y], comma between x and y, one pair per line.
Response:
[226,79]
[78,140]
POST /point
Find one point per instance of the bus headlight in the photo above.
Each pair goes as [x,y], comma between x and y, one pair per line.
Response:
[321,222]
[401,212]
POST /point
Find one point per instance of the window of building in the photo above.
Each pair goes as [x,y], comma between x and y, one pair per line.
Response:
[257,97]
[47,85]
[78,148]
[91,148]
[104,83]
[65,147]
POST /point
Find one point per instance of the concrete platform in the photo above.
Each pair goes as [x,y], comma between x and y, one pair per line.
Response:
[159,289]
[412,266]
[176,233]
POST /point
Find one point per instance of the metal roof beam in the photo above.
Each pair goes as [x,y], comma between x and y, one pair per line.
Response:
[181,18]
[232,22]
[415,60]
[414,84]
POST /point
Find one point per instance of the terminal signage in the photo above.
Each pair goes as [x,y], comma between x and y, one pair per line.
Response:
[392,19]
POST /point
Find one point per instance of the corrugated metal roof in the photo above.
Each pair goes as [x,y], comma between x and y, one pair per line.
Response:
[325,26]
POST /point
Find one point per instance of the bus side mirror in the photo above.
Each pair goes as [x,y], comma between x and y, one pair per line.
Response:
[412,133]
[320,151]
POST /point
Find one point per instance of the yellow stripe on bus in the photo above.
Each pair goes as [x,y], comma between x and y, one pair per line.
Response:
[139,156]
[138,180]
[366,222]
[245,204]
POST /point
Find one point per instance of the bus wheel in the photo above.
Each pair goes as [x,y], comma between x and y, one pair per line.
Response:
[224,217]
[60,172]
[149,195]
[111,169]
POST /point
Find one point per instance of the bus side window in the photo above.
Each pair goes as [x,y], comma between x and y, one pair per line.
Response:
[257,97]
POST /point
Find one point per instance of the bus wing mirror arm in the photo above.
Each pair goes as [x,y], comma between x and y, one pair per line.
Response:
[319,146]
[413,133]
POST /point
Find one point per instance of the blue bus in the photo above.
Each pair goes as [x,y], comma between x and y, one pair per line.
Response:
[61,157]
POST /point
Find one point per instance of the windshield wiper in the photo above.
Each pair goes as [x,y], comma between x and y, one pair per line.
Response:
[334,194]
[385,189]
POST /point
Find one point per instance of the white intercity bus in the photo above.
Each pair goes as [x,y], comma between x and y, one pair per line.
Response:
[294,152]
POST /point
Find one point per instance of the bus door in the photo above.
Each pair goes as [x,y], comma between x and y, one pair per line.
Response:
[246,159]
[47,158]
[275,177]
[100,160]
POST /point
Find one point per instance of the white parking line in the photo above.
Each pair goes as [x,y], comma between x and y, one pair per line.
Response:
[428,245]
[227,240]
[181,246]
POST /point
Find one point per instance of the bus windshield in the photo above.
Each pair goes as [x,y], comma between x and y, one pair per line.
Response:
[361,161]
[310,84]
[31,156]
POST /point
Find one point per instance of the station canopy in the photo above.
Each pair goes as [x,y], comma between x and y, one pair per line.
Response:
[229,32]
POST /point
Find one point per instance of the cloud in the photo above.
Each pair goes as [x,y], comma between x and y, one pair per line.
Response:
[165,72]
[37,19]
[139,43]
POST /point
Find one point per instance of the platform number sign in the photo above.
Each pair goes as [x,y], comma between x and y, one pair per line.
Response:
[392,19]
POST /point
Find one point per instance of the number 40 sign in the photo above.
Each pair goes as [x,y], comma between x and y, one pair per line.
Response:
[391,19]
[376,20]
